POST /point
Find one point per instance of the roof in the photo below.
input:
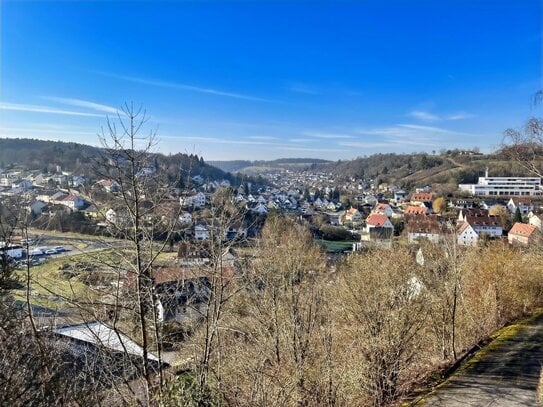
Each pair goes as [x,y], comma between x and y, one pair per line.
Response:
[422,196]
[352,211]
[522,229]
[484,221]
[463,226]
[522,201]
[100,334]
[376,219]
[416,210]
[474,212]
[423,224]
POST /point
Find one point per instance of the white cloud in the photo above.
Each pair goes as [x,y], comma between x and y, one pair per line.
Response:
[262,138]
[332,136]
[183,86]
[426,116]
[43,109]
[83,103]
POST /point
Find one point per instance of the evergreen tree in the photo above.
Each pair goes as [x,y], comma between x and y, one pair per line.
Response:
[518,216]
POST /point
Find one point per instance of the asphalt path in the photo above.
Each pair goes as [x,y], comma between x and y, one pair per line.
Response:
[505,375]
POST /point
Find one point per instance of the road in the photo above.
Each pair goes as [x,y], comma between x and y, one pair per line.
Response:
[505,374]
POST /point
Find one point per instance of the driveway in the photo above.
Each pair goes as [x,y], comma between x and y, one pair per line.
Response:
[504,374]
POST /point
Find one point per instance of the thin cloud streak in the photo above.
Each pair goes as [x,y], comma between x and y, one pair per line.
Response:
[331,136]
[426,116]
[43,109]
[83,103]
[46,131]
[182,86]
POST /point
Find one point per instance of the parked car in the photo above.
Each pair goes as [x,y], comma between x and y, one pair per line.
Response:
[50,251]
[36,252]
[59,249]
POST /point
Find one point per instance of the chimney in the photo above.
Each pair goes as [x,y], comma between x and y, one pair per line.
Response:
[486,172]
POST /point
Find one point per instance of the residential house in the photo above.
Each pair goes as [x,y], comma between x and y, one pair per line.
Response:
[109,185]
[353,215]
[197,201]
[260,209]
[466,235]
[376,220]
[525,205]
[464,213]
[535,220]
[74,202]
[201,232]
[183,301]
[423,227]
[421,198]
[461,204]
[36,207]
[521,234]
[416,210]
[383,209]
[185,218]
[480,225]
[400,195]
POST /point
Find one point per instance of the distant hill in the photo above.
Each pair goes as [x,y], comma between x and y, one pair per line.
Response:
[408,170]
[245,166]
[47,155]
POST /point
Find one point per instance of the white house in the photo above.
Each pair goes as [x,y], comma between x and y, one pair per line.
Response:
[197,201]
[74,202]
[480,225]
[466,235]
[535,220]
[185,217]
[260,209]
[525,205]
[201,232]
[353,215]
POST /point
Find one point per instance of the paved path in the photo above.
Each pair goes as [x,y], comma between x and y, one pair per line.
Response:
[506,375]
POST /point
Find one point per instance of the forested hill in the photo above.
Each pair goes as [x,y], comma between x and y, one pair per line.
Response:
[248,166]
[46,155]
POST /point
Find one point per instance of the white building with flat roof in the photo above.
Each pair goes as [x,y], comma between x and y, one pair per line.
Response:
[504,186]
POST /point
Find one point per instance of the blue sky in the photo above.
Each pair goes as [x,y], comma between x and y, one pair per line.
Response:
[268,79]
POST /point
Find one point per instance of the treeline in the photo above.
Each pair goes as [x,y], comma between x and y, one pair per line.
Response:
[384,164]
[239,165]
[80,159]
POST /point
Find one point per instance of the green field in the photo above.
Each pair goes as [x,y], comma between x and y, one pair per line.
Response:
[333,246]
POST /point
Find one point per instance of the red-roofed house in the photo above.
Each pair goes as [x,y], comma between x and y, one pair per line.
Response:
[422,197]
[378,221]
[521,234]
[416,210]
[383,209]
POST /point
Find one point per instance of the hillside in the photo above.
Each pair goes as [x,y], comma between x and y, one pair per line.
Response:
[408,170]
[258,166]
[78,158]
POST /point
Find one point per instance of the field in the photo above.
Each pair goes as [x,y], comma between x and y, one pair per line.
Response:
[332,246]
